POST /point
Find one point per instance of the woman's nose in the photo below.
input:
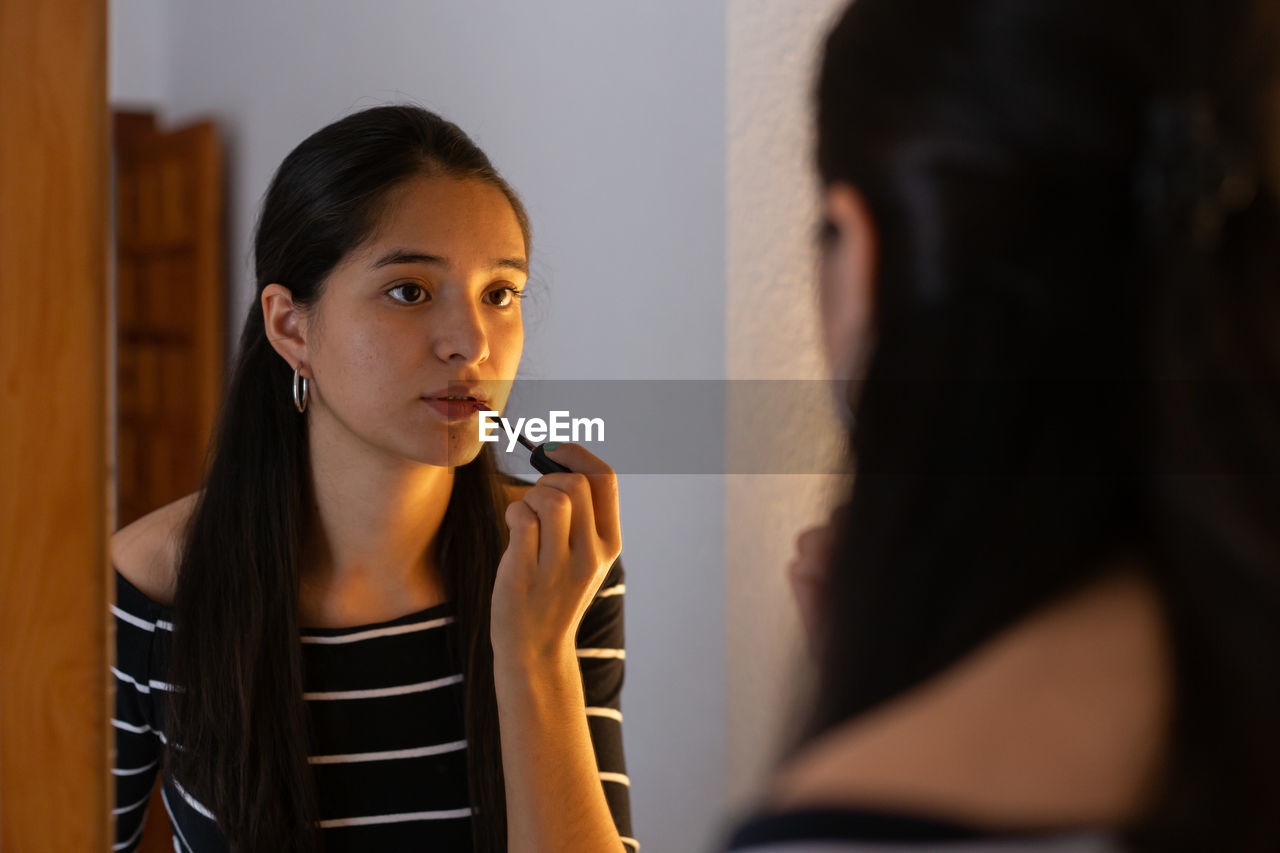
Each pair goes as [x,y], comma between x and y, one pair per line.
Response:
[460,334]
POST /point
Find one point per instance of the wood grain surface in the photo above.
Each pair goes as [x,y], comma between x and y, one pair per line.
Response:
[54,514]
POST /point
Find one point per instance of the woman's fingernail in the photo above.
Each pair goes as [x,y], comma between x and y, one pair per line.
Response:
[551,445]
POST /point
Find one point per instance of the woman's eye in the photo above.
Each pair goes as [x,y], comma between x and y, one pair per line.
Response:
[410,294]
[827,234]
[505,297]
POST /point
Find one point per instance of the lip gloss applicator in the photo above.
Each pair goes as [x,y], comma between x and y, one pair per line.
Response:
[539,459]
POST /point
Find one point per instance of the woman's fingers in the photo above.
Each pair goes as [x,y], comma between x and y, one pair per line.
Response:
[522,521]
[813,553]
[604,489]
[554,510]
[807,593]
[582,526]
[807,573]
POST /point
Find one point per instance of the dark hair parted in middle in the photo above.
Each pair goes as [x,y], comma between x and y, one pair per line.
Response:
[236,649]
[1077,320]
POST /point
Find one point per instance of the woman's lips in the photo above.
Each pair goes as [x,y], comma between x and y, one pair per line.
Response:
[456,410]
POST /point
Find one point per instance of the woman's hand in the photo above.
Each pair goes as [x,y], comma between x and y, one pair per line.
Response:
[807,571]
[565,535]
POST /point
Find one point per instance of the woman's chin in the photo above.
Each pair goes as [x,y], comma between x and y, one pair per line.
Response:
[450,453]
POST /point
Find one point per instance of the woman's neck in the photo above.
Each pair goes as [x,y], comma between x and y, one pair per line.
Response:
[1060,721]
[370,552]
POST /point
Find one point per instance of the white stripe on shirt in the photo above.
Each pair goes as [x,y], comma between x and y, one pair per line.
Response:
[129,679]
[380,692]
[610,713]
[377,632]
[417,752]
[193,802]
[394,818]
[620,654]
[152,684]
[133,620]
[1075,843]
[133,771]
[164,796]
[141,802]
[140,622]
[139,730]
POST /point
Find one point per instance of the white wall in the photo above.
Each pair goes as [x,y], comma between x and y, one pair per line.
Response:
[138,60]
[660,148]
[771,334]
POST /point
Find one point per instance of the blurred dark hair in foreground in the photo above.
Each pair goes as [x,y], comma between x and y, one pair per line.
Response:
[1083,191]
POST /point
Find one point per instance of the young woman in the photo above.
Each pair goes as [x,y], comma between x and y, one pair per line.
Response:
[1050,620]
[358,636]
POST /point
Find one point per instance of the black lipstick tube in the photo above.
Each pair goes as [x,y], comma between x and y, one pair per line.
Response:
[539,459]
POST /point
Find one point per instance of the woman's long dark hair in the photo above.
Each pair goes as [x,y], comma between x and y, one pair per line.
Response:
[239,715]
[1077,320]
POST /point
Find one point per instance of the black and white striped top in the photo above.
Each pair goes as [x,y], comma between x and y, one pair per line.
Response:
[387,734]
[830,830]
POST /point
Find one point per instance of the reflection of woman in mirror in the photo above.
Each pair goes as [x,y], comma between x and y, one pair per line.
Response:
[359,624]
[1049,619]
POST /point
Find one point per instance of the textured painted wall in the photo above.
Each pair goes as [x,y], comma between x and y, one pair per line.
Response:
[771,333]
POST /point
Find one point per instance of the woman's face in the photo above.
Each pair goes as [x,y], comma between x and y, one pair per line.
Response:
[846,282]
[429,301]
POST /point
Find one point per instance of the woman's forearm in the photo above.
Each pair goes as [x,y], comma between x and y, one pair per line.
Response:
[555,801]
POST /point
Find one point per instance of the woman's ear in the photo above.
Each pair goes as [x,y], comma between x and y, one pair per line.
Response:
[847,287]
[286,326]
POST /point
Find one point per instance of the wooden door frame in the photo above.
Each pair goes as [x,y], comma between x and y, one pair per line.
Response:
[55,514]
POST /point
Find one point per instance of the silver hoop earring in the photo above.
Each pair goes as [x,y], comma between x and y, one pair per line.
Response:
[300,391]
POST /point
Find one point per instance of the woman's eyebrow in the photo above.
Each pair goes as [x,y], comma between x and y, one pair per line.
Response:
[517,264]
[407,256]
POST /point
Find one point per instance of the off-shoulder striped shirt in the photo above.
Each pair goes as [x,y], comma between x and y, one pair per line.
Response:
[387,733]
[831,830]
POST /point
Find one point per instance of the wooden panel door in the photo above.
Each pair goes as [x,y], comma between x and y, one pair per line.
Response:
[54,635]
[170,293]
[170,325]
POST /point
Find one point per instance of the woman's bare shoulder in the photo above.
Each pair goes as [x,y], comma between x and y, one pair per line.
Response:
[146,550]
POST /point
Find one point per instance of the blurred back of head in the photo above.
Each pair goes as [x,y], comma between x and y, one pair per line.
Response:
[1077,318]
